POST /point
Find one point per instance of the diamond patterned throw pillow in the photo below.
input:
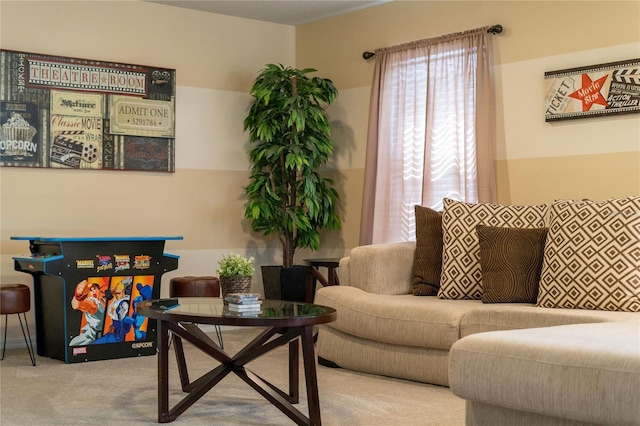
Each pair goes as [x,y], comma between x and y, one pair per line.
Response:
[592,256]
[461,275]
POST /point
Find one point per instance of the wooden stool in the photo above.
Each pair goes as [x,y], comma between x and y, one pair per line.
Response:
[16,299]
[197,287]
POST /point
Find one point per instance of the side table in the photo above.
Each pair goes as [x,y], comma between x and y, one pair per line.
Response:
[314,275]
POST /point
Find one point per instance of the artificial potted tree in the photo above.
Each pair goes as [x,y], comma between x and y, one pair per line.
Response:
[290,141]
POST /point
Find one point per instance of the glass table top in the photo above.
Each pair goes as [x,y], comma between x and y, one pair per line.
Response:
[214,310]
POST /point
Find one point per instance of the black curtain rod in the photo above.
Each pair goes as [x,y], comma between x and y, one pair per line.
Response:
[494,29]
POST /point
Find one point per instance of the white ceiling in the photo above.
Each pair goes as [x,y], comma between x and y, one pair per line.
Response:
[289,12]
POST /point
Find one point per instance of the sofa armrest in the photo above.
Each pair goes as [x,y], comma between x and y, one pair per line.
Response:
[379,268]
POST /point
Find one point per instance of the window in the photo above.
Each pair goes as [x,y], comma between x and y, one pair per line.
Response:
[423,136]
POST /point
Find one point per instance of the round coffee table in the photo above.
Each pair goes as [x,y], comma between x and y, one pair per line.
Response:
[285,322]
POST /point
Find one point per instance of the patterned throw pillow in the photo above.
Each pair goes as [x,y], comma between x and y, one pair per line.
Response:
[427,263]
[592,256]
[461,275]
[511,261]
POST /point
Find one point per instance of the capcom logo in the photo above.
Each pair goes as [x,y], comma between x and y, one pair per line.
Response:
[139,345]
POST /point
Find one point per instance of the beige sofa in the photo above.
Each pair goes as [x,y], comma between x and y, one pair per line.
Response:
[383,329]
[513,363]
[569,356]
[572,375]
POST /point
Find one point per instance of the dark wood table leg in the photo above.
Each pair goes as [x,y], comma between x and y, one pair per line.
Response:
[163,373]
[333,276]
[311,378]
[265,342]
[294,372]
[181,361]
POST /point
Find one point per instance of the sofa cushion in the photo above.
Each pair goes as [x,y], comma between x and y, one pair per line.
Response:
[513,316]
[592,255]
[510,261]
[461,275]
[379,268]
[400,319]
[582,372]
[427,263]
[373,357]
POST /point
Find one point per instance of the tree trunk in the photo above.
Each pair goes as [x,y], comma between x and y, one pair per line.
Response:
[289,247]
[288,250]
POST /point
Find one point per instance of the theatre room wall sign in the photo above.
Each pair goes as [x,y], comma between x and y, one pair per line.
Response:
[71,113]
[592,91]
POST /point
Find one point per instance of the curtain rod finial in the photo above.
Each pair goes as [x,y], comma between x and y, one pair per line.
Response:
[368,55]
[495,29]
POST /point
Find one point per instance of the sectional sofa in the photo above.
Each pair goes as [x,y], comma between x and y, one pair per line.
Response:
[476,271]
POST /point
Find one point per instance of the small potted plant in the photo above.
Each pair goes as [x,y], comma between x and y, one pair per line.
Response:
[235,273]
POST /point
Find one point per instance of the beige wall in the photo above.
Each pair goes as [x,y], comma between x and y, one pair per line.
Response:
[216,59]
[536,161]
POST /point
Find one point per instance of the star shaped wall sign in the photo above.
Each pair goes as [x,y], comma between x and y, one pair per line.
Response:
[589,93]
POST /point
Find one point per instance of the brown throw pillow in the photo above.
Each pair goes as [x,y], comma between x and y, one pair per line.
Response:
[511,262]
[427,263]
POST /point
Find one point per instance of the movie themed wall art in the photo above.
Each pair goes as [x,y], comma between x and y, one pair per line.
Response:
[598,90]
[70,113]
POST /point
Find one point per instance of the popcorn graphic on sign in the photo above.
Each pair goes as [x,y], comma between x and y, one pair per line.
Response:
[18,134]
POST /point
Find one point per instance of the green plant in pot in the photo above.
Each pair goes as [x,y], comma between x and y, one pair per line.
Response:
[290,139]
[235,273]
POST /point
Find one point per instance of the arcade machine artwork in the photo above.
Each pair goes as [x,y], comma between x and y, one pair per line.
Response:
[86,292]
[109,310]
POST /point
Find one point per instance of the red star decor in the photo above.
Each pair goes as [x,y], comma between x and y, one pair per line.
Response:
[589,93]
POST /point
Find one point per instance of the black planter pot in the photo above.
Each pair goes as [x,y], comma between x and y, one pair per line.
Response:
[284,283]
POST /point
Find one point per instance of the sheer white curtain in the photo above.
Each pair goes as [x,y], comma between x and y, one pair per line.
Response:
[430,132]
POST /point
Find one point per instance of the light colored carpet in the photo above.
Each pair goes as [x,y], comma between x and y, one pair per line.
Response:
[124,392]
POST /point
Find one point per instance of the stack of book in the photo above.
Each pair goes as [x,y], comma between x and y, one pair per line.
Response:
[243,303]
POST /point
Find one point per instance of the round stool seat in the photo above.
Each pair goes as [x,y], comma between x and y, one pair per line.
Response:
[14,299]
[194,287]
